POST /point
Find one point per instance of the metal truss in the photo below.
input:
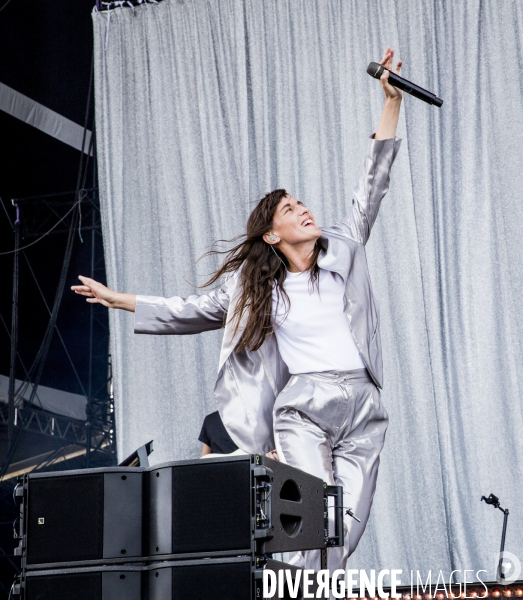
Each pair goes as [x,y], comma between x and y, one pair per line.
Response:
[33,419]
[99,422]
[38,216]
[75,438]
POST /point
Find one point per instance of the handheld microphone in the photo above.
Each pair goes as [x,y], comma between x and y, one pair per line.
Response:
[376,70]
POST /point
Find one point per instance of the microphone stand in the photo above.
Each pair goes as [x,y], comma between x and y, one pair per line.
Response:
[494,500]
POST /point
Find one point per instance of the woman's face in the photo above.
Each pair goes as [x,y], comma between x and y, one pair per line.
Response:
[293,223]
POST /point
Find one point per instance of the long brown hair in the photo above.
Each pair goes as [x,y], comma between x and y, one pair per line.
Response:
[261,266]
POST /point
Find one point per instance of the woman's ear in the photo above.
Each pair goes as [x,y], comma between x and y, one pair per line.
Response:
[271,238]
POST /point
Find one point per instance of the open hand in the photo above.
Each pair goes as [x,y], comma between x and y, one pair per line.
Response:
[390,91]
[96,292]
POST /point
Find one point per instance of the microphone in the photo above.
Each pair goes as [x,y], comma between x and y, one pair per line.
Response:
[376,70]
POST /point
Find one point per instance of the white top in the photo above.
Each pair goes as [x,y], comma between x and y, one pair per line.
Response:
[315,336]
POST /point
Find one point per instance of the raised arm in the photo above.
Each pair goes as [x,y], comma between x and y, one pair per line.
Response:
[391,111]
[158,315]
[375,175]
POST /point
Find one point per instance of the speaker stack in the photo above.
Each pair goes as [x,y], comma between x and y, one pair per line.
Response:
[181,530]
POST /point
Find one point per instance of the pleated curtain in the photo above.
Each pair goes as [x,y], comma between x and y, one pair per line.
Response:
[203,106]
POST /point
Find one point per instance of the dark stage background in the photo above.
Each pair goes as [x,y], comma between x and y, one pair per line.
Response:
[46,50]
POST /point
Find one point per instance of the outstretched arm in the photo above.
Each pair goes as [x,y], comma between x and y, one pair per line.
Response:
[97,293]
[158,315]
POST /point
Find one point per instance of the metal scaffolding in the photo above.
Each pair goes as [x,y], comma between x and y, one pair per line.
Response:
[88,443]
[78,214]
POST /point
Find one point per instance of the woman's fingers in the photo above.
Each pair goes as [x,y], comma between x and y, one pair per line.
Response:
[386,61]
[272,454]
[96,292]
[83,292]
[89,288]
[385,74]
[90,284]
[87,280]
[386,55]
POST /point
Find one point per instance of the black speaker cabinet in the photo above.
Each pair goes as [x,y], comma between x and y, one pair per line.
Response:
[92,515]
[234,578]
[88,583]
[233,505]
[228,578]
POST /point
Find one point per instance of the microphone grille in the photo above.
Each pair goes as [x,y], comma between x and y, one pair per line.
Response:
[375,70]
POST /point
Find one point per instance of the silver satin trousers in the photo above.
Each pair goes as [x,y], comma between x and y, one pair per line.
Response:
[332,425]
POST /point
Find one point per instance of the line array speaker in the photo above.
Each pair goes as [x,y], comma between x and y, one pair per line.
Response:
[79,516]
[233,505]
[229,578]
[99,534]
[88,583]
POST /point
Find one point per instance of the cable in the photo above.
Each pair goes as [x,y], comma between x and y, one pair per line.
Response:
[15,533]
[6,213]
[47,232]
[56,327]
[17,393]
[89,150]
[1,9]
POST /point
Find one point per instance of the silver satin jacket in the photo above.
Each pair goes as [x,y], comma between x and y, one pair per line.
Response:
[248,382]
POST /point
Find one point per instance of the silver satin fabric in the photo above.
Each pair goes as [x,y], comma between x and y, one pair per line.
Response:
[248,382]
[332,425]
[203,106]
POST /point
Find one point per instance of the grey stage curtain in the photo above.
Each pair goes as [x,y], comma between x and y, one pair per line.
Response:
[203,106]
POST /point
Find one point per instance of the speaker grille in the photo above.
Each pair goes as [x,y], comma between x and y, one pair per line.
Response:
[80,586]
[72,509]
[216,581]
[211,507]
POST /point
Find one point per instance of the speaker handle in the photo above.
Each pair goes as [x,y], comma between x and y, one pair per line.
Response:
[335,491]
[20,494]
[263,478]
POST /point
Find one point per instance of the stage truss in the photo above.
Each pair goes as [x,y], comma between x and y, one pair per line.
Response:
[91,442]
